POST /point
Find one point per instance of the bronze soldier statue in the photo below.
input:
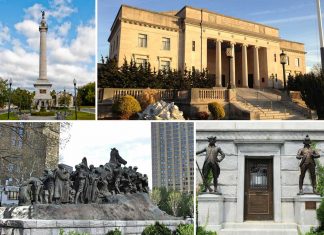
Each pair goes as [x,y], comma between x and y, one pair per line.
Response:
[211,162]
[307,156]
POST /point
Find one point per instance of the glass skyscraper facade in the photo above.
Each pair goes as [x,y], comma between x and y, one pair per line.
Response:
[173,155]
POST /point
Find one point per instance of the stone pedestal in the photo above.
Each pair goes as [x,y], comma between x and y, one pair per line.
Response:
[305,216]
[210,211]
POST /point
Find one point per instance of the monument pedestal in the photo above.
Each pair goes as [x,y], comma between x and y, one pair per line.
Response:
[305,211]
[210,211]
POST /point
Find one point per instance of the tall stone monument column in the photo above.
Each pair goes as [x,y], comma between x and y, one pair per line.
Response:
[43,98]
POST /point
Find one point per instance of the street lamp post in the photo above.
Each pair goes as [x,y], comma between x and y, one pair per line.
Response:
[75,99]
[229,54]
[9,100]
[64,103]
[283,61]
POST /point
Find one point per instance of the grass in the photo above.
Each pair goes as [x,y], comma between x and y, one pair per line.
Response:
[86,107]
[12,116]
[81,116]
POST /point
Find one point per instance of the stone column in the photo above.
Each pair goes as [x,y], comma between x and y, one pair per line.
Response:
[232,65]
[256,75]
[42,50]
[218,66]
[244,66]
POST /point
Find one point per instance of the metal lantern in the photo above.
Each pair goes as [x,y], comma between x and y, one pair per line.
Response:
[283,58]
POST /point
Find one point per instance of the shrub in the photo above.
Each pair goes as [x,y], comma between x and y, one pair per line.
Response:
[216,110]
[320,215]
[202,115]
[315,232]
[62,232]
[149,96]
[157,228]
[114,232]
[184,229]
[202,231]
[126,107]
[43,113]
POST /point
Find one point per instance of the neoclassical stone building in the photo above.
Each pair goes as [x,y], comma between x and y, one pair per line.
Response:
[195,38]
[259,178]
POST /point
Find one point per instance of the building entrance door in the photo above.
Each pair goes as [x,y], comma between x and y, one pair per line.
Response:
[223,81]
[250,80]
[258,190]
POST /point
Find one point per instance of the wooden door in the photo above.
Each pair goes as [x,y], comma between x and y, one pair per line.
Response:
[250,81]
[258,192]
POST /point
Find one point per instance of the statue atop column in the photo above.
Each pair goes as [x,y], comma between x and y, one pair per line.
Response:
[307,155]
[211,163]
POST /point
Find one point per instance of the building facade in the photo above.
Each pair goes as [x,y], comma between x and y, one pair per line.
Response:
[259,178]
[173,155]
[195,38]
[26,149]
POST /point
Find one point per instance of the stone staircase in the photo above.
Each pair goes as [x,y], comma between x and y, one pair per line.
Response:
[259,228]
[266,105]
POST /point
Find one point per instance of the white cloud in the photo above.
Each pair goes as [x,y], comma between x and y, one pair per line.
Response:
[61,9]
[4,34]
[34,12]
[64,28]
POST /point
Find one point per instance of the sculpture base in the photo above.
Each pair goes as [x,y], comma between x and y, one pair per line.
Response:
[136,206]
[93,227]
[210,211]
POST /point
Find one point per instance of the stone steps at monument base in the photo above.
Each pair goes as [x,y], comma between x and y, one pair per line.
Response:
[257,228]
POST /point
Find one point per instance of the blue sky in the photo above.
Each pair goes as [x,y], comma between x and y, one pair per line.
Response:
[71,41]
[296,19]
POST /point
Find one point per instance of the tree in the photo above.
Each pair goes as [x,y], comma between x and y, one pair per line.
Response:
[64,99]
[174,200]
[86,94]
[26,149]
[3,92]
[22,98]
[155,196]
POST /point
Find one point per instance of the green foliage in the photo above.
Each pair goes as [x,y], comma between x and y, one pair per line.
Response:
[81,116]
[202,231]
[62,232]
[3,92]
[114,232]
[86,95]
[202,187]
[174,199]
[155,195]
[320,177]
[184,229]
[314,231]
[12,116]
[311,87]
[131,76]
[320,215]
[126,107]
[64,99]
[43,113]
[216,110]
[155,229]
[22,98]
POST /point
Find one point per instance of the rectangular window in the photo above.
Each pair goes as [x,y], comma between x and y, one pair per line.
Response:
[42,91]
[287,60]
[166,44]
[275,57]
[193,45]
[12,195]
[297,62]
[165,65]
[142,40]
[141,62]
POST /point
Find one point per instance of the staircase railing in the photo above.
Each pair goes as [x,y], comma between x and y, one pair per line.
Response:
[278,100]
[243,100]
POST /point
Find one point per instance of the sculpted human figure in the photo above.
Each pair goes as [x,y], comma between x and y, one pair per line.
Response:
[93,184]
[60,178]
[80,180]
[211,162]
[115,158]
[307,156]
[48,181]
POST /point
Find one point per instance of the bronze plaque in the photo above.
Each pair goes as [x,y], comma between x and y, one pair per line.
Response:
[310,205]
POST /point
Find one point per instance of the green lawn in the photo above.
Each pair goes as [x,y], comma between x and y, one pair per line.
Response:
[12,116]
[84,107]
[81,116]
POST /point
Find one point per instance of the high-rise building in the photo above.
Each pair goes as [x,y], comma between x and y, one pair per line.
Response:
[26,149]
[173,155]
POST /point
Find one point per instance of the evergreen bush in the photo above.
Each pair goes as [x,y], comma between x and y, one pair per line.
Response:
[114,232]
[126,107]
[217,111]
[155,229]
[202,231]
[184,229]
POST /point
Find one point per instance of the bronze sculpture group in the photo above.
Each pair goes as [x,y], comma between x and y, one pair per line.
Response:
[87,184]
[307,155]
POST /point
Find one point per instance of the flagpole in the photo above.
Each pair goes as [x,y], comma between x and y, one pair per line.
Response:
[320,28]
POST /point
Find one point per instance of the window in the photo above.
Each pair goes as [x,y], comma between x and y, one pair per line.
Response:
[275,57]
[165,65]
[42,91]
[141,62]
[166,44]
[12,195]
[193,45]
[297,62]
[287,60]
[142,40]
